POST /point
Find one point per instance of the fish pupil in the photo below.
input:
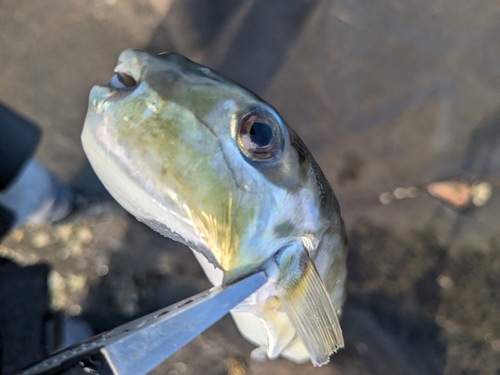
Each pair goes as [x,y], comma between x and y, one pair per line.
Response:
[261,134]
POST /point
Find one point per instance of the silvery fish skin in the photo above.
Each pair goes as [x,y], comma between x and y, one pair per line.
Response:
[206,162]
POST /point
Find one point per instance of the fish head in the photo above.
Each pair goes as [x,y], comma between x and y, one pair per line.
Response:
[203,160]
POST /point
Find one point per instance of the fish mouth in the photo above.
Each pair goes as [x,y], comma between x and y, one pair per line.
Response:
[128,71]
[128,74]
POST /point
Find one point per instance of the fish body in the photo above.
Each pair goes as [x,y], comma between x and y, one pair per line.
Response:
[206,162]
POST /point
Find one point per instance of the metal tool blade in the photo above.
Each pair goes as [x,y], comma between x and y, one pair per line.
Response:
[138,347]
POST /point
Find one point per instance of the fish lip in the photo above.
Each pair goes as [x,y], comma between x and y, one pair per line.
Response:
[125,68]
[129,63]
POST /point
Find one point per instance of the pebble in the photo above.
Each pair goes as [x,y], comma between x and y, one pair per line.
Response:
[447,325]
[64,232]
[235,367]
[412,191]
[445,282]
[385,198]
[55,279]
[75,310]
[481,193]
[180,367]
[64,253]
[400,193]
[362,348]
[84,234]
[80,263]
[102,270]
[40,239]
[495,345]
[16,236]
[76,249]
[75,283]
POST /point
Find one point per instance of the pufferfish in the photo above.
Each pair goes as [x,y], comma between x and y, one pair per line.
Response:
[206,162]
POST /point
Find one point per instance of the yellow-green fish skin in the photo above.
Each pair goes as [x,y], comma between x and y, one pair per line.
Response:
[167,150]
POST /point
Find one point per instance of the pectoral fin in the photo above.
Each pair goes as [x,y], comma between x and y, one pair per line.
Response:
[307,304]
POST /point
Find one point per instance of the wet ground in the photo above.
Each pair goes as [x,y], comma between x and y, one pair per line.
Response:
[385,94]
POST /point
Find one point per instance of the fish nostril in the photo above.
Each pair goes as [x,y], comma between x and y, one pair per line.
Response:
[122,81]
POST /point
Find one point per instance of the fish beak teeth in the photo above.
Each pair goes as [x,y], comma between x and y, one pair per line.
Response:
[128,71]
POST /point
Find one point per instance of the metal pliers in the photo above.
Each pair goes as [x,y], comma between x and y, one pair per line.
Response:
[138,347]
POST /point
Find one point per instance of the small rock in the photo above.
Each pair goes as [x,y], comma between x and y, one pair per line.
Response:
[445,282]
[235,367]
[64,253]
[180,367]
[76,249]
[40,239]
[64,232]
[495,345]
[16,236]
[84,234]
[102,270]
[76,283]
[400,193]
[362,348]
[75,310]
[385,198]
[80,263]
[55,279]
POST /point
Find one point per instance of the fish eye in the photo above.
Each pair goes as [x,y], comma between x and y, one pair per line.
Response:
[122,81]
[259,136]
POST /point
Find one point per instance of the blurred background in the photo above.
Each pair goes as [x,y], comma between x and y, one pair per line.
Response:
[386,94]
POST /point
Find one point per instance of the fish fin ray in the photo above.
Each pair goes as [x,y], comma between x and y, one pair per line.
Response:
[308,306]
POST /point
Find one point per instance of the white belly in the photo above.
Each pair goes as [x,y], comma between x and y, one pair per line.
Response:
[271,331]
